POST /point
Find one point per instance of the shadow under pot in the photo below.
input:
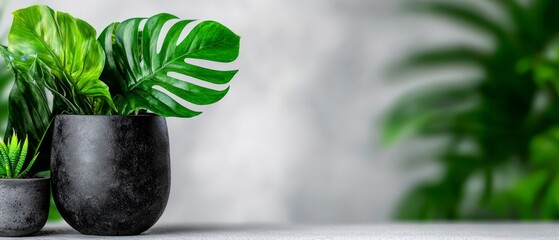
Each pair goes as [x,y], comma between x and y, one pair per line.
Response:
[24,206]
[110,174]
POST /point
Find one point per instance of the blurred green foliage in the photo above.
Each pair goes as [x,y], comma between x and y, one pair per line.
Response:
[500,158]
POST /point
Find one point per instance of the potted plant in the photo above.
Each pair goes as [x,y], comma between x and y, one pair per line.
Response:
[111,93]
[24,200]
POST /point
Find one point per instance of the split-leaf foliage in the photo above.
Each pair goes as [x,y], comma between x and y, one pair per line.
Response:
[52,54]
[121,71]
[134,66]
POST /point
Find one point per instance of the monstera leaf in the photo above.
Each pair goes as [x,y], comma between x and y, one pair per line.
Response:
[68,46]
[135,69]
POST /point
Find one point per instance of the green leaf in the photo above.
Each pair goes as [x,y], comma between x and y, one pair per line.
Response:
[543,15]
[13,152]
[525,191]
[29,111]
[134,67]
[22,157]
[441,57]
[5,159]
[6,81]
[418,112]
[29,166]
[550,202]
[2,170]
[54,215]
[513,10]
[511,129]
[544,149]
[65,44]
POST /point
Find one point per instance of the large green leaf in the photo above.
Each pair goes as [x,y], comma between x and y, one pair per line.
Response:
[134,66]
[29,112]
[6,77]
[6,81]
[68,46]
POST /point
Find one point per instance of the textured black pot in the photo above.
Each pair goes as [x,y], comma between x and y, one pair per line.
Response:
[24,206]
[110,174]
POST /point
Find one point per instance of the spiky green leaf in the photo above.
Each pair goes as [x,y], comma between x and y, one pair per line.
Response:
[13,152]
[29,166]
[22,157]
[2,170]
[5,159]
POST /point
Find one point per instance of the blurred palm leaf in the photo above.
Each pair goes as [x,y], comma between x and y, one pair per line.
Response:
[499,116]
[429,109]
[452,55]
[465,14]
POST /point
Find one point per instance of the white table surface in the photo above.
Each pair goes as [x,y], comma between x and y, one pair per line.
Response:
[425,231]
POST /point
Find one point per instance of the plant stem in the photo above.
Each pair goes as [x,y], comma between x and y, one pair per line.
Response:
[43,137]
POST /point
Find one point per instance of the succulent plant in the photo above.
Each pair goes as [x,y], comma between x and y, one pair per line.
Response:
[13,156]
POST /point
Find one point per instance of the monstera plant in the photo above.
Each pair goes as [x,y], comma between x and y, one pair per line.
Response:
[110,94]
[134,66]
[117,74]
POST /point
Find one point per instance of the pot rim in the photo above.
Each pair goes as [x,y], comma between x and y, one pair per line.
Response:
[25,179]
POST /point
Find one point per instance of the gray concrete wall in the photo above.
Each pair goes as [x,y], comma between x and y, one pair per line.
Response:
[296,138]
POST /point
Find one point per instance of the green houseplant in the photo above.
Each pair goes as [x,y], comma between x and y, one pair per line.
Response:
[13,156]
[110,94]
[499,128]
[24,201]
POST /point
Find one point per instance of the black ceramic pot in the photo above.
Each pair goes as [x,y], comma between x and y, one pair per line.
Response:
[24,206]
[110,174]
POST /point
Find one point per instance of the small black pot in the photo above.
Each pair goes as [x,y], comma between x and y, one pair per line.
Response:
[110,174]
[24,206]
